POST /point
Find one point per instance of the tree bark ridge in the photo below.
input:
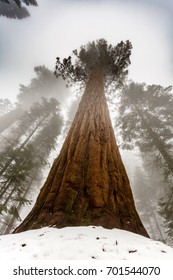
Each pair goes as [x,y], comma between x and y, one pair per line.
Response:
[87,184]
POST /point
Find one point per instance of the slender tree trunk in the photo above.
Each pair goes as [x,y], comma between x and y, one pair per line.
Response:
[155,219]
[13,218]
[87,184]
[158,143]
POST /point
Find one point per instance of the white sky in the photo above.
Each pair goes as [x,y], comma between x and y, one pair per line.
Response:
[57,27]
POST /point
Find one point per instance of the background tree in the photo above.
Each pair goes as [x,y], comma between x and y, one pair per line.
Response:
[88,183]
[8,113]
[44,84]
[39,114]
[166,211]
[146,194]
[32,117]
[8,119]
[5,106]
[145,121]
[14,8]
[22,161]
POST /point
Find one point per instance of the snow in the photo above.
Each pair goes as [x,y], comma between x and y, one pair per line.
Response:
[81,243]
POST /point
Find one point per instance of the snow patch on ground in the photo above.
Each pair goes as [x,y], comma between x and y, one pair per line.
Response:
[81,243]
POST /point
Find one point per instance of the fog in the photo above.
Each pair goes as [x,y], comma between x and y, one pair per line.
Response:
[55,28]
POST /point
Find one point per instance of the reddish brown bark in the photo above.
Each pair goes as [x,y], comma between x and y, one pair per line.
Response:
[87,184]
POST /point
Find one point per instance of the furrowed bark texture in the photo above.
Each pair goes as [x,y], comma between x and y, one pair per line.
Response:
[87,184]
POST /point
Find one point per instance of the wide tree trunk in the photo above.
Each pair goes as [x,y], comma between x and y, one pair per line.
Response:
[87,184]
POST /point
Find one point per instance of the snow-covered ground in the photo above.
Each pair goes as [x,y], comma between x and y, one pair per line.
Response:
[81,243]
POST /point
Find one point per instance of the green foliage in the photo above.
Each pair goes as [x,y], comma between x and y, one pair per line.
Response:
[14,8]
[13,211]
[19,2]
[145,121]
[22,160]
[144,118]
[26,147]
[146,196]
[113,60]
[166,211]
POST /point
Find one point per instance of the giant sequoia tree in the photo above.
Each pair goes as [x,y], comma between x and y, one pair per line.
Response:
[88,184]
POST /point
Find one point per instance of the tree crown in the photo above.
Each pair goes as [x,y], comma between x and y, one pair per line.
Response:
[112,60]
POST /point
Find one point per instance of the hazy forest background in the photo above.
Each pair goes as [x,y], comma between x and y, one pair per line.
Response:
[34,124]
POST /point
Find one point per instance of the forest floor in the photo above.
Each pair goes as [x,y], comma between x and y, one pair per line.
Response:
[81,243]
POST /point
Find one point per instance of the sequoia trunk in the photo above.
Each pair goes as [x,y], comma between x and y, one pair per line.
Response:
[87,184]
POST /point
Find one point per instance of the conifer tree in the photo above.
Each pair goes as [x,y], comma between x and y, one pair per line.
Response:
[5,106]
[146,200]
[23,159]
[145,121]
[43,85]
[88,184]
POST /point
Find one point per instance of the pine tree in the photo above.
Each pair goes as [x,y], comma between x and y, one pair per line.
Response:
[8,119]
[44,85]
[41,146]
[87,183]
[5,106]
[34,120]
[22,160]
[146,198]
[41,113]
[145,121]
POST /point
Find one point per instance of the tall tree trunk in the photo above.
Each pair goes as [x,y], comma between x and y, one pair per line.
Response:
[155,219]
[87,184]
[157,141]
[18,208]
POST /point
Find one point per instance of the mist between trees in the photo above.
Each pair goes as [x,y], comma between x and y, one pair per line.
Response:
[145,122]
[29,131]
[28,139]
